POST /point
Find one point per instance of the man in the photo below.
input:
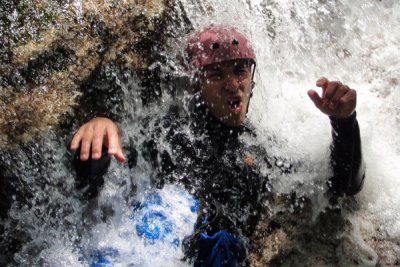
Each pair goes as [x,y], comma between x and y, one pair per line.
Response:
[212,160]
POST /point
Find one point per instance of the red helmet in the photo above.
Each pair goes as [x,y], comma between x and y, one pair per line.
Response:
[217,44]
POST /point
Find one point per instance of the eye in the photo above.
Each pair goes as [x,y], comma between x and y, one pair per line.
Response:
[241,70]
[213,75]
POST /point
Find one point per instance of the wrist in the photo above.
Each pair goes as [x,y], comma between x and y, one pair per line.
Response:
[343,125]
[349,118]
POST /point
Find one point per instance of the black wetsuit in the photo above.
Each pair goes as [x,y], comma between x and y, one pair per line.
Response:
[225,168]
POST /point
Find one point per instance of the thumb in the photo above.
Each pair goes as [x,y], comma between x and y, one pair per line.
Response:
[315,98]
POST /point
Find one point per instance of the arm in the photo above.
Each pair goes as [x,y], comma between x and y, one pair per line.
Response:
[338,101]
[346,157]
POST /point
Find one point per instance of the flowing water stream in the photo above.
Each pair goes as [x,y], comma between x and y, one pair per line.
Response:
[296,42]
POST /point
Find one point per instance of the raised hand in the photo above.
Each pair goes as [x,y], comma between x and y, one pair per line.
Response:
[337,99]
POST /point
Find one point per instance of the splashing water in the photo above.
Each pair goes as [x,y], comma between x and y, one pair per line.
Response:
[296,42]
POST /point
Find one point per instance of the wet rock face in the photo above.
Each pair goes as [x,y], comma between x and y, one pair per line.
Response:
[27,114]
[54,52]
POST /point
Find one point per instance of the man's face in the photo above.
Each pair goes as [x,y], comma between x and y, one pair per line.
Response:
[226,89]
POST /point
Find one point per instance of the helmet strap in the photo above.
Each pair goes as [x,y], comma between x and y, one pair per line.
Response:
[253,84]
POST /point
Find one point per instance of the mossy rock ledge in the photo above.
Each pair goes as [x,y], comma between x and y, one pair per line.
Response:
[52,66]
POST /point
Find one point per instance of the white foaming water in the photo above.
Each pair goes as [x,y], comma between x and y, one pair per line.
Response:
[149,233]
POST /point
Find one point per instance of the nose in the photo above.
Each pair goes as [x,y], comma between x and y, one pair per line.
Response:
[231,84]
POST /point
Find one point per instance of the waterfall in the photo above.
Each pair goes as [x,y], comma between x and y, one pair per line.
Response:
[296,42]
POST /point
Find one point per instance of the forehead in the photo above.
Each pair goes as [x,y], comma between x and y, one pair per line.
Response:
[226,65]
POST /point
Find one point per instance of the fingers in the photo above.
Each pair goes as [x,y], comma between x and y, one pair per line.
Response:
[112,140]
[322,82]
[86,143]
[97,141]
[91,137]
[114,144]
[119,155]
[350,96]
[77,139]
[337,99]
[349,102]
[337,95]
[333,91]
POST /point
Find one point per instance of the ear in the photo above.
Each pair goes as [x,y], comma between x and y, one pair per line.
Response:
[253,84]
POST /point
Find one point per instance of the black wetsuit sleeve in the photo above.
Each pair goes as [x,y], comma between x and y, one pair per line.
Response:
[346,157]
[90,172]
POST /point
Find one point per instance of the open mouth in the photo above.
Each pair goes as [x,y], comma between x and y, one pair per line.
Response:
[235,105]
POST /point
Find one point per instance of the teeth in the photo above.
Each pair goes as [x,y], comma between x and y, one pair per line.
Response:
[234,103]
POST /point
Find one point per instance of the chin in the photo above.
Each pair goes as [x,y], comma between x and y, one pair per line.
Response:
[234,123]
